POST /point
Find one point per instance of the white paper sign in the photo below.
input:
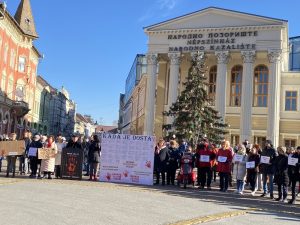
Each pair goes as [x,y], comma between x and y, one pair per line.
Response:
[32,152]
[127,159]
[238,158]
[265,159]
[293,161]
[250,165]
[222,159]
[204,158]
[13,153]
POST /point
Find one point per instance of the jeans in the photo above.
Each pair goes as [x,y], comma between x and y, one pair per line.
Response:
[240,185]
[205,176]
[11,165]
[265,186]
[171,173]
[23,161]
[93,169]
[252,176]
[224,180]
[282,191]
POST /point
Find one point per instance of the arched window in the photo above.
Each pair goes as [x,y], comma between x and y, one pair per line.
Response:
[212,79]
[236,85]
[261,78]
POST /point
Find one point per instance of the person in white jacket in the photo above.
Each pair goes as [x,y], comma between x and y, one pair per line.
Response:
[239,171]
[48,165]
[60,146]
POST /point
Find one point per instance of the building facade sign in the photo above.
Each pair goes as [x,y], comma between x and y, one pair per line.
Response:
[218,41]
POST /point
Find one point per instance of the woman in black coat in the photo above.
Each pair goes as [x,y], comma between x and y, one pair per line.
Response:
[94,157]
[160,161]
[294,174]
[281,165]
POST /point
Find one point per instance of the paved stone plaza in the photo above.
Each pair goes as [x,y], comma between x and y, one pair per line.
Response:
[62,202]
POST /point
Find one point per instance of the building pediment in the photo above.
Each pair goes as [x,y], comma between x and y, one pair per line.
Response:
[214,18]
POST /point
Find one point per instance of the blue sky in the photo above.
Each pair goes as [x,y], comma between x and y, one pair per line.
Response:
[89,46]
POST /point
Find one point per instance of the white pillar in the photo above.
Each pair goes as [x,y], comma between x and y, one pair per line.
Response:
[223,58]
[247,95]
[150,94]
[175,60]
[274,96]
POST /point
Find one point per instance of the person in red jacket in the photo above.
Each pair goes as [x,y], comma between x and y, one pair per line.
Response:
[224,158]
[205,161]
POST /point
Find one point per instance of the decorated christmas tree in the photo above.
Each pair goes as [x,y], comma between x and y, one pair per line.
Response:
[194,117]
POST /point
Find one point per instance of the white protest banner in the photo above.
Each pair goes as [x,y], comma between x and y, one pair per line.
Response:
[250,165]
[238,158]
[292,161]
[204,158]
[222,159]
[32,152]
[265,160]
[127,158]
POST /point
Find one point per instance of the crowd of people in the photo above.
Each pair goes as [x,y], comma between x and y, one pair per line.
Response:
[252,166]
[44,168]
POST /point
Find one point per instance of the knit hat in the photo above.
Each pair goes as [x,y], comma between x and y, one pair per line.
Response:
[281,150]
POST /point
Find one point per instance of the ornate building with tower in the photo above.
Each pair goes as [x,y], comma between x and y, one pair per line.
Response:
[18,69]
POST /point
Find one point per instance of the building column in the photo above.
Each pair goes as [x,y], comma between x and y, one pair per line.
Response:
[150,94]
[274,97]
[247,95]
[223,58]
[175,60]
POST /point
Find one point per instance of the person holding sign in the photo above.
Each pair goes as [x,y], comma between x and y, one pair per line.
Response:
[239,169]
[32,153]
[48,165]
[282,177]
[267,168]
[252,167]
[11,159]
[205,158]
[294,173]
[224,157]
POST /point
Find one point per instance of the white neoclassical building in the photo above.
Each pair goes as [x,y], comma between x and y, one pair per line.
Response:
[247,58]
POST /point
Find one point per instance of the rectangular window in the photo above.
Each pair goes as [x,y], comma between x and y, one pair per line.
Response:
[235,140]
[22,64]
[290,143]
[291,101]
[260,141]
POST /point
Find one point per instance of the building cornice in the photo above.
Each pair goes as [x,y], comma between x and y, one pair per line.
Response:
[214,29]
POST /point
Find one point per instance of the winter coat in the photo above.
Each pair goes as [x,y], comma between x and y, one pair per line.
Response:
[239,169]
[268,168]
[225,167]
[173,158]
[60,147]
[94,152]
[256,159]
[72,144]
[205,152]
[35,144]
[281,172]
[294,171]
[48,165]
[162,159]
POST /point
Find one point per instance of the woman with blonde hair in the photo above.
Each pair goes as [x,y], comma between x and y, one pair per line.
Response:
[224,158]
